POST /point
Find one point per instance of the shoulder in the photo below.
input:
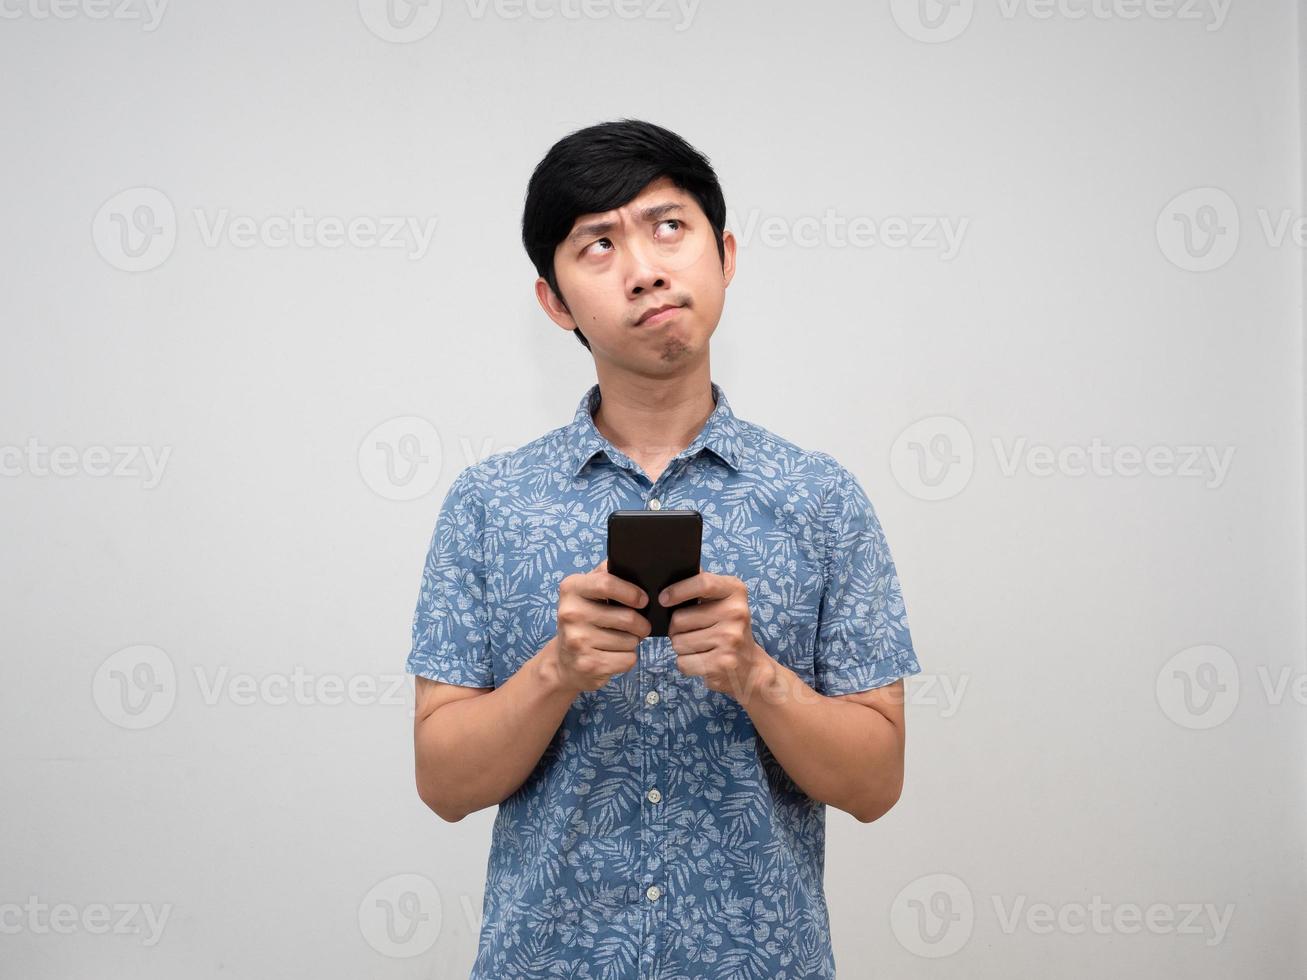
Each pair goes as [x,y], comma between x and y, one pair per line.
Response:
[504,470]
[776,455]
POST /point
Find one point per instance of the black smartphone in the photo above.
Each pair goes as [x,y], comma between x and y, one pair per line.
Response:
[653,549]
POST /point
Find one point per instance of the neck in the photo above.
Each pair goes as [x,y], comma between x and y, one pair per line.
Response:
[653,418]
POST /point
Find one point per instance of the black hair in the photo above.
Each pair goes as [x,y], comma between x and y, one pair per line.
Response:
[602,167]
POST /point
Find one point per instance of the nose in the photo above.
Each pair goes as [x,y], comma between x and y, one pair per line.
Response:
[646,271]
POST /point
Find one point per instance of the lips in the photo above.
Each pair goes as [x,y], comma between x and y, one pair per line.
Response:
[654,312]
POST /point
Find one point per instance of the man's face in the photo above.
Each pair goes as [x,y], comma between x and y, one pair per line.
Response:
[615,268]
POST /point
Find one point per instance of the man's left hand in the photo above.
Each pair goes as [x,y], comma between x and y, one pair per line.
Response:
[714,639]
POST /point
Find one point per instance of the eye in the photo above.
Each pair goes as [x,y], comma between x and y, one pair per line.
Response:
[591,246]
[672,221]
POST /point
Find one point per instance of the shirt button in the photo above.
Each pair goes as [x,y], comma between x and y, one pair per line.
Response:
[654,893]
[654,795]
[651,698]
[655,503]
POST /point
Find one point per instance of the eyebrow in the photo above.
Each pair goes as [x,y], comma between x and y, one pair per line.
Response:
[651,213]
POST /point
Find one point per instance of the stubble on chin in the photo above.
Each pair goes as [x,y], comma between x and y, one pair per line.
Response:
[674,348]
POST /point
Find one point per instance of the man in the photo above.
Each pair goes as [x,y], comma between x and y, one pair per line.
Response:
[661,799]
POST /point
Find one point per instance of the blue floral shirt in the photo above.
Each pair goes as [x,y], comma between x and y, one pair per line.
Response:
[658,837]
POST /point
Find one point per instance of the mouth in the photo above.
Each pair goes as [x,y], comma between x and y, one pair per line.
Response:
[657,314]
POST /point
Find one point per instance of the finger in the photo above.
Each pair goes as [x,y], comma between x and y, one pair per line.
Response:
[615,617]
[695,643]
[693,664]
[613,640]
[601,585]
[619,662]
[611,662]
[705,585]
[698,617]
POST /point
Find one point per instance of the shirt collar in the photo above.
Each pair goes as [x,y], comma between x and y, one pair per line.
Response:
[721,433]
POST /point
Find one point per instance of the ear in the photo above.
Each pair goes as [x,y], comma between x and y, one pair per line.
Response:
[553,305]
[728,256]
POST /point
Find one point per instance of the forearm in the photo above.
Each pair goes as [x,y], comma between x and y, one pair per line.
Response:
[474,753]
[845,754]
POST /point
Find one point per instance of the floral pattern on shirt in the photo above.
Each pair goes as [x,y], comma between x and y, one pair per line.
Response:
[658,837]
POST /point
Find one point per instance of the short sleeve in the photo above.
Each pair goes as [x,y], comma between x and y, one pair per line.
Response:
[862,630]
[450,636]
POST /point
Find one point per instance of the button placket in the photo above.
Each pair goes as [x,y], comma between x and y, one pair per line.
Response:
[653,728]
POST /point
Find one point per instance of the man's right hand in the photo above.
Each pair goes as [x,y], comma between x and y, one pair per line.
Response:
[596,640]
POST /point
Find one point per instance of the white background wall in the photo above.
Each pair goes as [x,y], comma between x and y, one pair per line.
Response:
[1053,755]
